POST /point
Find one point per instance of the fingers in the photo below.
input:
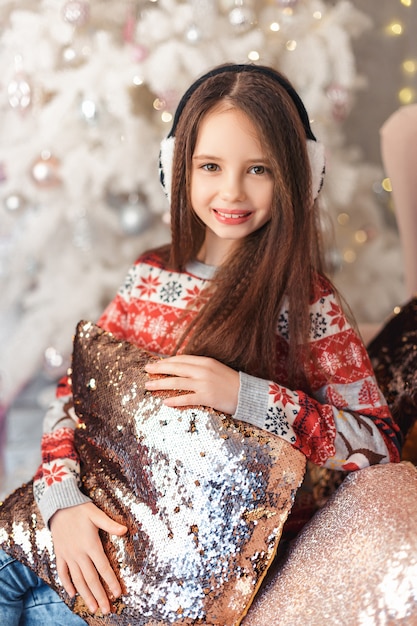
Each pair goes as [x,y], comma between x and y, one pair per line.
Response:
[184,400]
[75,581]
[178,374]
[82,564]
[85,578]
[205,381]
[186,366]
[64,577]
[103,521]
[171,383]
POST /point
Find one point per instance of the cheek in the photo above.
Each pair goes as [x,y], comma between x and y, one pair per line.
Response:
[267,199]
[193,190]
[200,191]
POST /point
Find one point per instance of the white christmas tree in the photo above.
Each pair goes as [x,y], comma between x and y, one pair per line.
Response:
[88,90]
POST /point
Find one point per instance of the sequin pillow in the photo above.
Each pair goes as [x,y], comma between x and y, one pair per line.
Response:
[393,354]
[204,497]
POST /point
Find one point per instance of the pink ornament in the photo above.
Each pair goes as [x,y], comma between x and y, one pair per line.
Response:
[3,175]
[76,12]
[140,53]
[45,171]
[168,100]
[339,96]
[129,26]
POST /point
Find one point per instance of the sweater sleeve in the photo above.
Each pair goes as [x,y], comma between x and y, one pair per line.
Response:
[344,423]
[57,484]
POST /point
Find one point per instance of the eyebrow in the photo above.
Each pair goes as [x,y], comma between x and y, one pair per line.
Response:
[211,157]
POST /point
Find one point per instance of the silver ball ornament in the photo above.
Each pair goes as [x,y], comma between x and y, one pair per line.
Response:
[134,215]
[132,211]
[242,18]
[287,4]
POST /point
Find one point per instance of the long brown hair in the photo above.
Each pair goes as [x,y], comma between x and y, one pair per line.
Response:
[238,324]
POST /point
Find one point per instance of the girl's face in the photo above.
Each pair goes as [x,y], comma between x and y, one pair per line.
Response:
[231,182]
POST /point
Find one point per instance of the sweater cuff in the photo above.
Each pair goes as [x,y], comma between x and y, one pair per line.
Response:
[252,406]
[60,496]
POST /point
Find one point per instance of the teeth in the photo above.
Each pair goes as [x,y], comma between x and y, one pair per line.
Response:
[231,215]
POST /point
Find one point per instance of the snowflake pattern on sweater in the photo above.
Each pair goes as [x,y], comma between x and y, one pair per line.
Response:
[344,424]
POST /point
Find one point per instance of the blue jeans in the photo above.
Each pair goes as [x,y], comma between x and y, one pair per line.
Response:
[25,600]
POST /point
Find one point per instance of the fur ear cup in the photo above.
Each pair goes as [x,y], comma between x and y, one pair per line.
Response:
[166,158]
[317,160]
[315,151]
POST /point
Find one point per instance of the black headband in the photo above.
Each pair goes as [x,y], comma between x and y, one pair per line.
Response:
[240,69]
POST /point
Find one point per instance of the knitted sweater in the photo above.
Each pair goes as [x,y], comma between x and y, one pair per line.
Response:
[345,423]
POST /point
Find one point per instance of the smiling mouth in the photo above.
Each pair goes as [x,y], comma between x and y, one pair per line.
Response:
[232,216]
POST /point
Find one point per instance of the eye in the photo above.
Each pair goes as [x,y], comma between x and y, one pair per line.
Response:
[259,169]
[210,167]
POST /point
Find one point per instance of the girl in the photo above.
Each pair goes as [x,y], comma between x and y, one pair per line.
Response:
[239,304]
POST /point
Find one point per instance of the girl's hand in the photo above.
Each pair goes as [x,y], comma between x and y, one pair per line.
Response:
[80,557]
[209,382]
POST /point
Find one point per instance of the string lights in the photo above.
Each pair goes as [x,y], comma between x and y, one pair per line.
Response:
[397,27]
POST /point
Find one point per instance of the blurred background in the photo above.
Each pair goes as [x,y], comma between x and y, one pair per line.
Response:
[88,90]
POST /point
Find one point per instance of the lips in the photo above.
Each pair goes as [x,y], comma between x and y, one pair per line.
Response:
[232,217]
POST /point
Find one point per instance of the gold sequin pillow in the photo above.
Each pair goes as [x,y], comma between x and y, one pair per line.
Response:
[204,497]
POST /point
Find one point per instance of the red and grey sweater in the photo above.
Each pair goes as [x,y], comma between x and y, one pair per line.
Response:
[345,423]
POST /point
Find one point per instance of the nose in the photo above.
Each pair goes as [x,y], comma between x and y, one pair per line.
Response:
[233,188]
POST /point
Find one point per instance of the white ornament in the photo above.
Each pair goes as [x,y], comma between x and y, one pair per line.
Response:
[76,12]
[89,111]
[193,34]
[19,93]
[14,202]
[54,363]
